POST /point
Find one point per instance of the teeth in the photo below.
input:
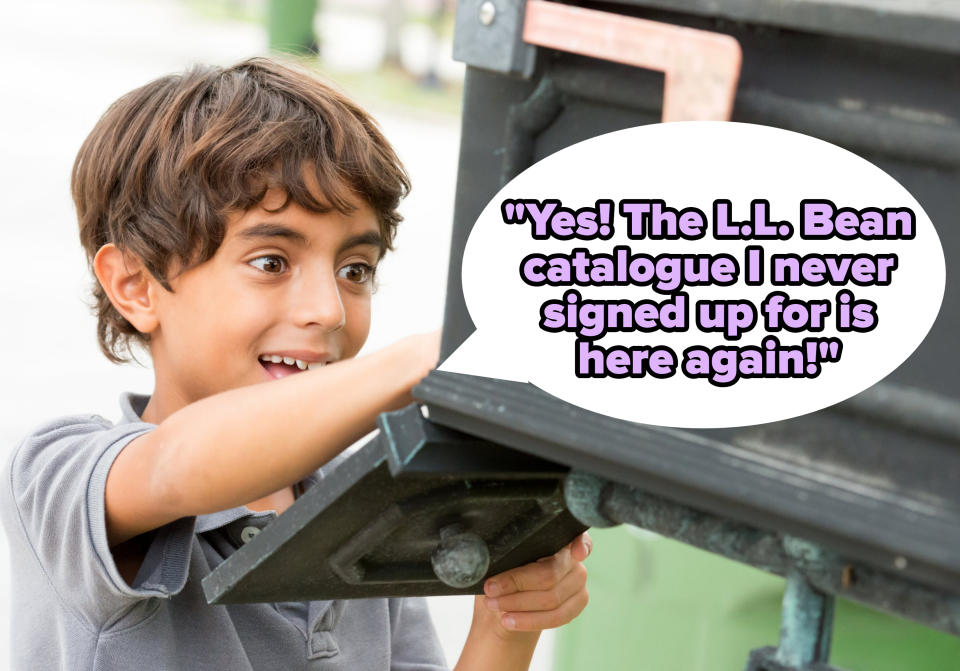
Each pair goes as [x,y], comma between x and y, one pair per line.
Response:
[290,361]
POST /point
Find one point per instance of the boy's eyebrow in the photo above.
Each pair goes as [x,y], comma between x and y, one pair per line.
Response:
[268,230]
[372,238]
[271,230]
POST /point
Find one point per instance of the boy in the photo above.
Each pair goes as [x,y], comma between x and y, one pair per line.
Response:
[234,220]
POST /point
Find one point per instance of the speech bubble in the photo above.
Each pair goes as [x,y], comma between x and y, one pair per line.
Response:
[700,275]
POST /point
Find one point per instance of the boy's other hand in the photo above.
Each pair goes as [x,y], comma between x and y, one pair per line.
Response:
[425,351]
[419,355]
[541,595]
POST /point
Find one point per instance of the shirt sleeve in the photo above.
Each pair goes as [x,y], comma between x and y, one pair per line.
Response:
[413,639]
[57,480]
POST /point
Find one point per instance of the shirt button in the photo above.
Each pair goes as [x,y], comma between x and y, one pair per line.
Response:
[247,533]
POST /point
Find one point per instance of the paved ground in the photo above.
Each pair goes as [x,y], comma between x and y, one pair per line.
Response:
[65,63]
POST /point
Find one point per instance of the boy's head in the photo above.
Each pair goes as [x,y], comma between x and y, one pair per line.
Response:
[170,164]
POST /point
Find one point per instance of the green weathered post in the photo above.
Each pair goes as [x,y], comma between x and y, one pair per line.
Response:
[290,26]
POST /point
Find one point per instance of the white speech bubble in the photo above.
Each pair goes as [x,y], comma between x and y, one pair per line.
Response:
[693,165]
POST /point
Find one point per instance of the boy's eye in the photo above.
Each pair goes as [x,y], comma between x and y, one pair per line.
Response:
[359,273]
[269,264]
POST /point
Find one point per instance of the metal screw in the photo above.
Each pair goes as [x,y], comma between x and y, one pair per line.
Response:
[461,558]
[247,534]
[900,563]
[487,12]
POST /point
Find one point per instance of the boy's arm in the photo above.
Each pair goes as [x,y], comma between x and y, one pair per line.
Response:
[520,603]
[240,445]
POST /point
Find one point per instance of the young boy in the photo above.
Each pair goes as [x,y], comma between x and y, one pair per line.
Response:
[234,219]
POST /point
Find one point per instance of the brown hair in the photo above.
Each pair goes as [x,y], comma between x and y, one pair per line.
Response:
[167,163]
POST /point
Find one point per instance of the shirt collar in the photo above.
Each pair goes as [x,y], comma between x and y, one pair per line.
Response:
[132,406]
[222,518]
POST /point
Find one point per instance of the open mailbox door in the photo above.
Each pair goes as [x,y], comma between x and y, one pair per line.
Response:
[860,500]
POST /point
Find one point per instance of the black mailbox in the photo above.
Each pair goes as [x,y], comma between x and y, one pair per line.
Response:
[860,500]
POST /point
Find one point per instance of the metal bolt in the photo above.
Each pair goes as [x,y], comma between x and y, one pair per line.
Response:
[900,563]
[487,13]
[461,559]
[584,496]
[247,534]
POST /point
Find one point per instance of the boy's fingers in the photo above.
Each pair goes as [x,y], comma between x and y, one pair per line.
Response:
[543,600]
[539,575]
[581,546]
[538,620]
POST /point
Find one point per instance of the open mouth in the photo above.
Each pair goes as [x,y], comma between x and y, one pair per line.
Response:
[281,366]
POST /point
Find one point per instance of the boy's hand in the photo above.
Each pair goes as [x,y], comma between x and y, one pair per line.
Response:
[544,594]
[424,352]
[420,354]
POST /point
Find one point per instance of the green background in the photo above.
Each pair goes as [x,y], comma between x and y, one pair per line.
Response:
[660,605]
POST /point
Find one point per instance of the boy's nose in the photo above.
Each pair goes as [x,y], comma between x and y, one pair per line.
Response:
[318,302]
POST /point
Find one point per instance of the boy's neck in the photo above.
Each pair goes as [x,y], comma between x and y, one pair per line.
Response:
[152,413]
[160,406]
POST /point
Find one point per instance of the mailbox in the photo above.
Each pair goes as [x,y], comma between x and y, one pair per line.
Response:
[860,500]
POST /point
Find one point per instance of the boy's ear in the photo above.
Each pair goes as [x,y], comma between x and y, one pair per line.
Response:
[129,286]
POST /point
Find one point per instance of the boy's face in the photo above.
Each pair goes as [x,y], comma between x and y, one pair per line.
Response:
[291,284]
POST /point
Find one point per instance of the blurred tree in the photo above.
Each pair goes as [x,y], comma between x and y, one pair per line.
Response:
[438,16]
[290,26]
[393,15]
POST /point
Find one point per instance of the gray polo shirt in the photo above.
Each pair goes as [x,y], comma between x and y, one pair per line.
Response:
[73,610]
